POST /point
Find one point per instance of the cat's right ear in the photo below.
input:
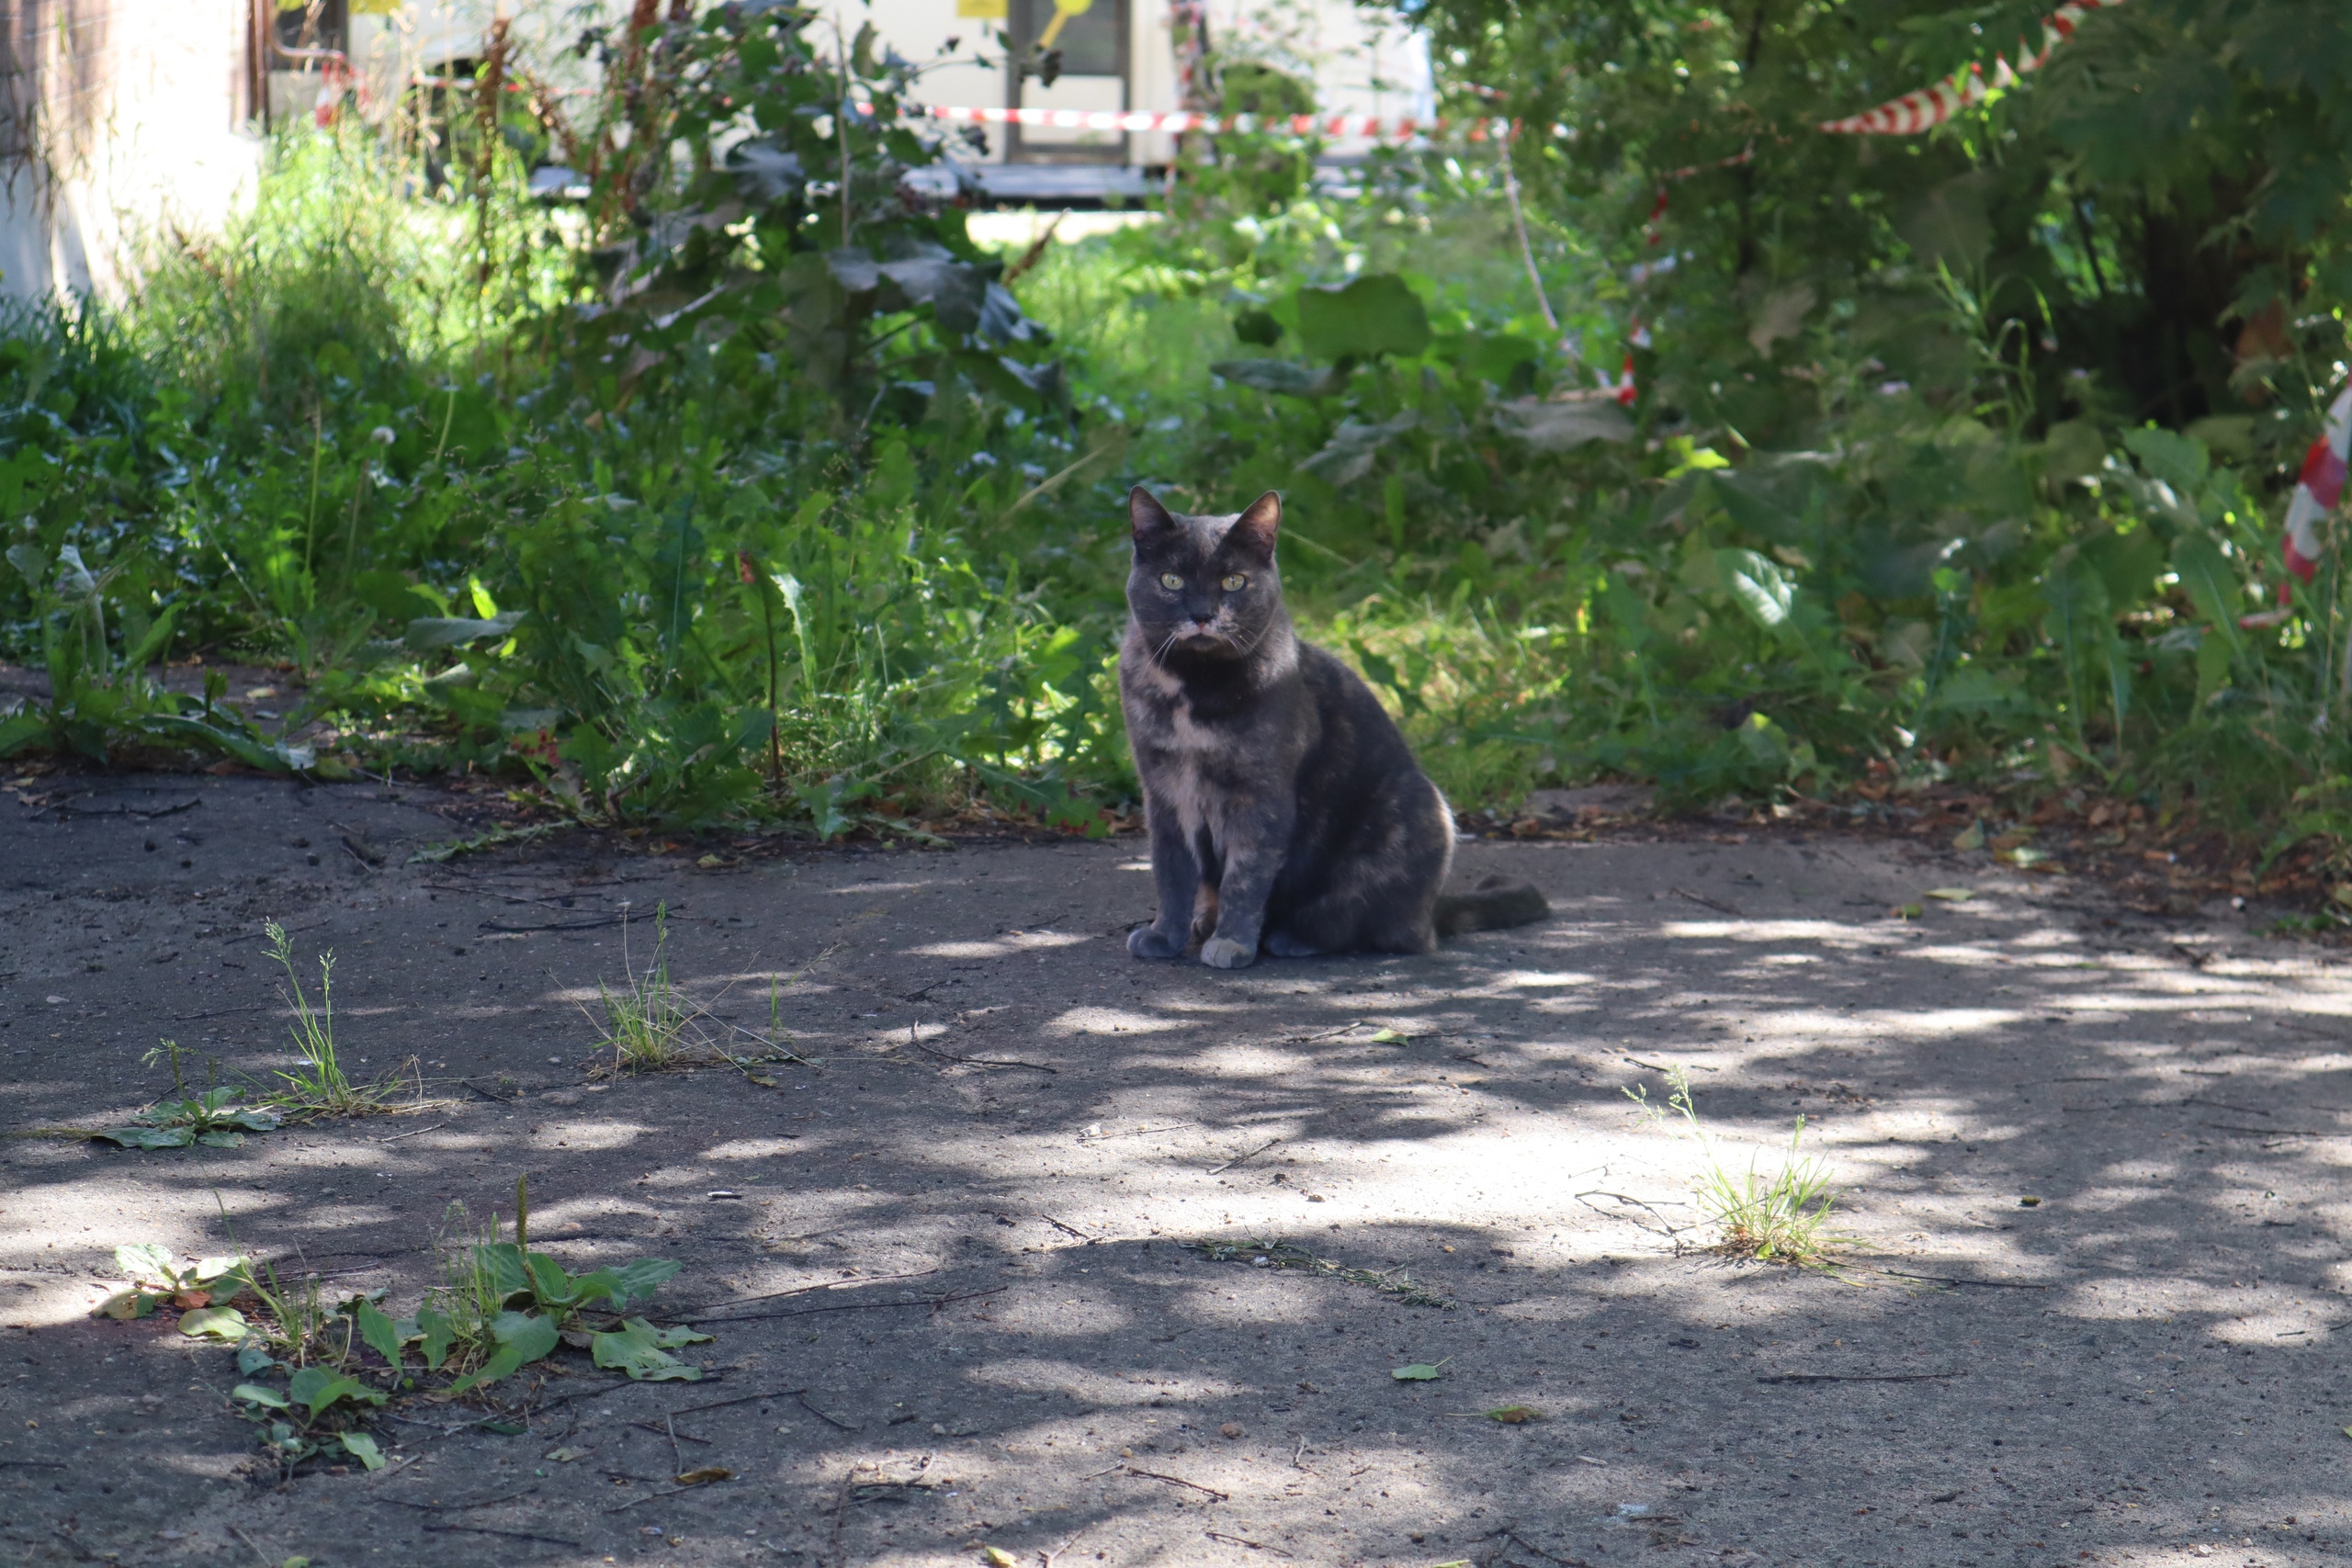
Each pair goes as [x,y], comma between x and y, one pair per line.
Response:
[1148,519]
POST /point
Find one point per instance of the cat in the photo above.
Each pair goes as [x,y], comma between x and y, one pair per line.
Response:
[1287,815]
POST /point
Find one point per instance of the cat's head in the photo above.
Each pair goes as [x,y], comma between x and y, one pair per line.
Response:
[1204,586]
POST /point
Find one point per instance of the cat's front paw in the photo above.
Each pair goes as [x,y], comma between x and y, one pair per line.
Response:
[1146,942]
[1223,952]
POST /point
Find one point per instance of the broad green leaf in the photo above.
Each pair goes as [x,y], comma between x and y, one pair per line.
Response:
[208,1269]
[522,1337]
[215,1323]
[438,1334]
[362,1447]
[640,1279]
[1419,1371]
[552,1286]
[316,1388]
[253,1394]
[1376,313]
[216,1139]
[253,1356]
[2210,581]
[2214,656]
[150,1137]
[1759,585]
[381,1334]
[636,1349]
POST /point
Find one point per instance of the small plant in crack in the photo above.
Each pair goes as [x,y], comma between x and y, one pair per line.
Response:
[317,1368]
[647,1020]
[1778,1218]
[318,1087]
[205,1117]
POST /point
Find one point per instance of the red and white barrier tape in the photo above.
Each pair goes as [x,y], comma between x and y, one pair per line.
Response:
[1931,107]
[2318,490]
[1384,128]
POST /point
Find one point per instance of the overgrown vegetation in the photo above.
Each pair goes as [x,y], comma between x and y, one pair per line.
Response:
[748,492]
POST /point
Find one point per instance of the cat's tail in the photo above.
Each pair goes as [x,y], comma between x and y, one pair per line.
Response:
[1496,902]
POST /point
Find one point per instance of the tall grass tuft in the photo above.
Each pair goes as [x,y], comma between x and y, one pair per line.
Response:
[646,1021]
[1780,1216]
[319,1087]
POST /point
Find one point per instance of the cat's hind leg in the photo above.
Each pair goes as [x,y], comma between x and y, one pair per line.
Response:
[1286,943]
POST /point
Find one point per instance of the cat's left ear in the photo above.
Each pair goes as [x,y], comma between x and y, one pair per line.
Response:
[1255,529]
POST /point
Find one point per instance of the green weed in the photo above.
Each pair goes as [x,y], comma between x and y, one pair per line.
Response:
[204,1117]
[1781,1217]
[501,1306]
[648,1021]
[1283,1255]
[319,1087]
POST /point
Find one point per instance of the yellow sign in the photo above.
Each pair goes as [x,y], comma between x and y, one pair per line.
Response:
[375,8]
[981,10]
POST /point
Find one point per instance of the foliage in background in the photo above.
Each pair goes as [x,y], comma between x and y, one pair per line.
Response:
[748,490]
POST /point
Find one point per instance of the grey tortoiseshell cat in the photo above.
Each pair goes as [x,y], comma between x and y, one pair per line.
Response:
[1287,815]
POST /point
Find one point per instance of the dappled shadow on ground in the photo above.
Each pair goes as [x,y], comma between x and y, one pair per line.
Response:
[1018,1190]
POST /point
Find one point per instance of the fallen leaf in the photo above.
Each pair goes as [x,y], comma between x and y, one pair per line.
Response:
[124,1305]
[706,1473]
[1970,838]
[2030,1202]
[1230,1430]
[1907,912]
[997,1557]
[1419,1371]
[1514,1415]
[565,1456]
[1952,895]
[1386,1037]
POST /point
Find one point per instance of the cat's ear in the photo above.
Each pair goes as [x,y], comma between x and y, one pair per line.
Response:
[1255,529]
[1148,519]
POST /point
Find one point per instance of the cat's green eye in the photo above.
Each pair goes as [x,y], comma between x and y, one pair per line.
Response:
[1234,583]
[1171,582]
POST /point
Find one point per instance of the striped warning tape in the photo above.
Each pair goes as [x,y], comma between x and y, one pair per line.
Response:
[1931,107]
[1384,128]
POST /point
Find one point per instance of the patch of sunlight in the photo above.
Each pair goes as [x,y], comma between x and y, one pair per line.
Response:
[1004,946]
[1113,1021]
[856,888]
[752,1149]
[1770,931]
[1135,865]
[1538,979]
[1961,956]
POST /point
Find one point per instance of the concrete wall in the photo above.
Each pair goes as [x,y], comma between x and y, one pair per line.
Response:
[117,117]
